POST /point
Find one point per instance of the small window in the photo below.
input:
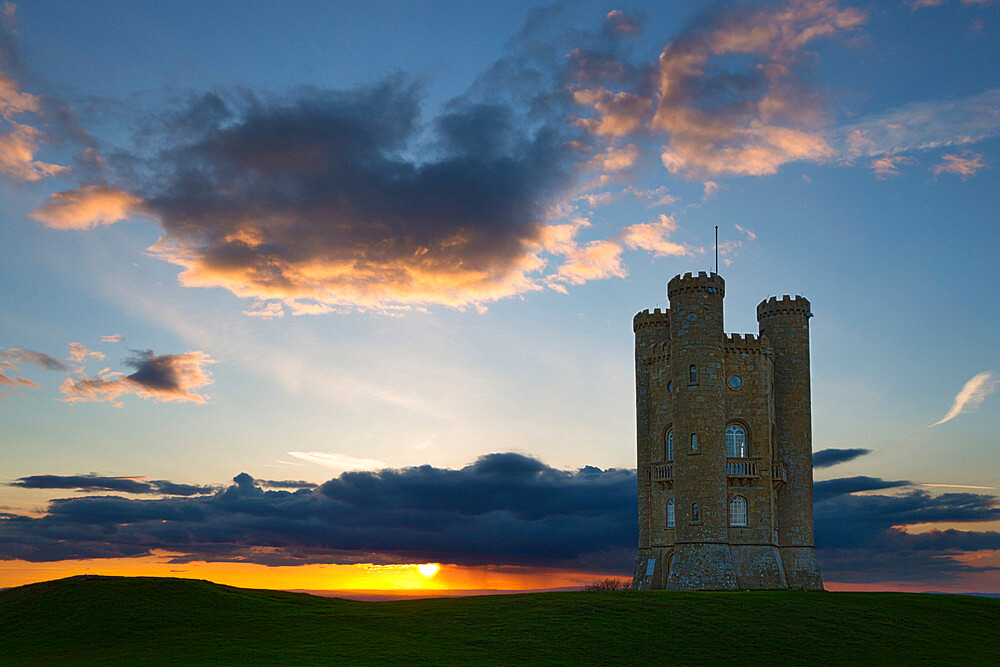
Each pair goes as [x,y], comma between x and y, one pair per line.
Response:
[693,374]
[694,443]
[735,381]
[736,441]
[694,513]
[670,513]
[738,511]
[670,387]
[670,445]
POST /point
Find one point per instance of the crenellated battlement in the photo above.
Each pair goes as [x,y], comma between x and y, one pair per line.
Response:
[747,343]
[654,318]
[786,304]
[703,282]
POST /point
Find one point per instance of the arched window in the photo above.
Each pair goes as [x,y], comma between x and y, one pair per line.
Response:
[693,374]
[694,512]
[694,443]
[738,511]
[670,513]
[736,441]
[670,445]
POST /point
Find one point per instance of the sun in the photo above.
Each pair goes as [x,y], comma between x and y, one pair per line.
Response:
[429,569]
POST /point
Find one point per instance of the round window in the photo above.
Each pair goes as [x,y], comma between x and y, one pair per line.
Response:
[735,382]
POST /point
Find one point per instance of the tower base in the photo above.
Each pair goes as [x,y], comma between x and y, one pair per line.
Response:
[758,567]
[702,567]
[801,568]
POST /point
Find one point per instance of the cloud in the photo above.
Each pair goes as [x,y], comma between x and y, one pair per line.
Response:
[920,126]
[12,358]
[286,484]
[831,457]
[595,260]
[503,509]
[888,165]
[93,482]
[265,310]
[19,141]
[338,461]
[970,396]
[87,207]
[78,354]
[113,338]
[920,4]
[864,538]
[309,200]
[833,488]
[722,115]
[165,378]
[964,165]
[654,237]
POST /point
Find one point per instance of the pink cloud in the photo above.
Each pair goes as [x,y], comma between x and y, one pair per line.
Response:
[594,261]
[12,358]
[87,207]
[78,354]
[888,165]
[964,165]
[655,237]
[754,127]
[165,378]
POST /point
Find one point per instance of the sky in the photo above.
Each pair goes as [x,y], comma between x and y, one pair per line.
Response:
[305,295]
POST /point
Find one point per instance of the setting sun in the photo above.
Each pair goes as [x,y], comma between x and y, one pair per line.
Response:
[429,569]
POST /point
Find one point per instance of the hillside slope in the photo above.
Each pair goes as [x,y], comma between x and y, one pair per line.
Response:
[155,620]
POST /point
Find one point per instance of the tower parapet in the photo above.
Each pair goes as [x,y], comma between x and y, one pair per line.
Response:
[701,282]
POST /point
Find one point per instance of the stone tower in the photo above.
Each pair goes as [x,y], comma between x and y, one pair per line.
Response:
[724,452]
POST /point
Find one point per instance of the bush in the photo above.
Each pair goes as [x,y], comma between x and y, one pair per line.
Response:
[609,584]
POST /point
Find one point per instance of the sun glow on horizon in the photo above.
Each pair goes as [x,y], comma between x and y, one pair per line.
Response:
[429,569]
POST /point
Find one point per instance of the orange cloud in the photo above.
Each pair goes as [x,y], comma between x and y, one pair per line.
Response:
[617,159]
[166,378]
[654,237]
[87,207]
[964,165]
[594,261]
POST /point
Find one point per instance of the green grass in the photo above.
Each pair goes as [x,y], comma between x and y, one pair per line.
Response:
[143,620]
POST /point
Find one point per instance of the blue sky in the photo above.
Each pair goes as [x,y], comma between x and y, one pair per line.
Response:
[507,184]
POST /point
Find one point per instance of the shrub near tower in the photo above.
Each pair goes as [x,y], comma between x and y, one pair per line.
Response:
[724,445]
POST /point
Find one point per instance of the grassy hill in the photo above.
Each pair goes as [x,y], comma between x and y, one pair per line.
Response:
[152,620]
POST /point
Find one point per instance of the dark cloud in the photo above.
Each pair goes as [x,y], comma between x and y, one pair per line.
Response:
[168,377]
[94,482]
[505,509]
[286,484]
[831,457]
[837,487]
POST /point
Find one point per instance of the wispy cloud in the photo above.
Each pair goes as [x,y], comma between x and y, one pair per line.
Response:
[888,165]
[12,358]
[341,462]
[113,338]
[655,237]
[971,396]
[921,126]
[964,165]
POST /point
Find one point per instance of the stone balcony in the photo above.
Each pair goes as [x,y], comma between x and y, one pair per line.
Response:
[780,474]
[742,471]
[663,472]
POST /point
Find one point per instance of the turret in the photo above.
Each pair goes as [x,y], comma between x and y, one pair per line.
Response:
[701,558]
[785,322]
